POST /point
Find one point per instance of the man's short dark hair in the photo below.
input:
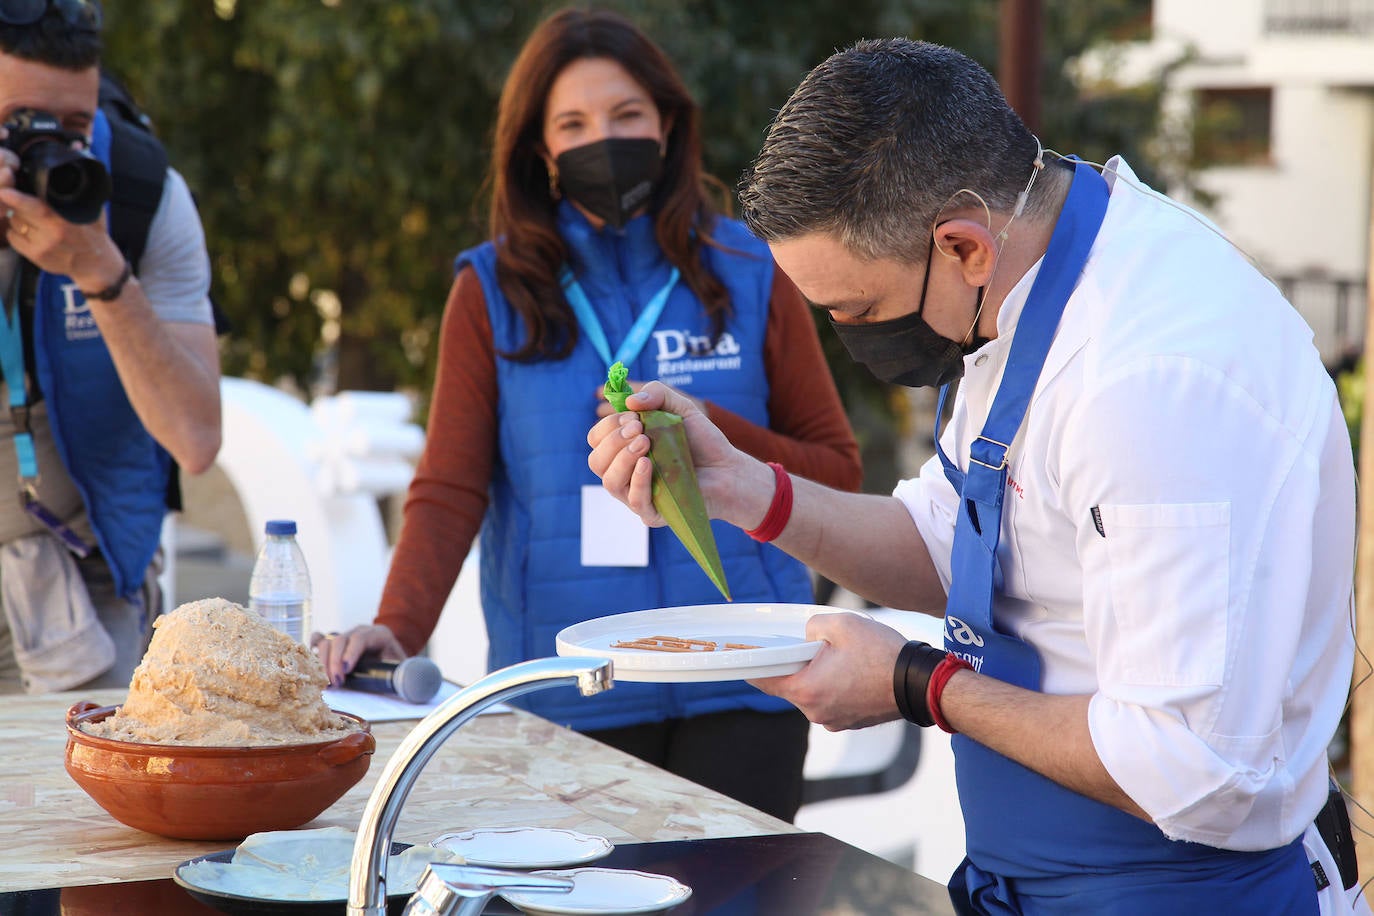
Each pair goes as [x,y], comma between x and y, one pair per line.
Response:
[54,41]
[876,140]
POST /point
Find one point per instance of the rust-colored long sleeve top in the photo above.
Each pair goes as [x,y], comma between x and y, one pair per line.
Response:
[808,433]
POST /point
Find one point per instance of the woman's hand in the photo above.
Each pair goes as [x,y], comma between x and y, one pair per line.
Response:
[339,652]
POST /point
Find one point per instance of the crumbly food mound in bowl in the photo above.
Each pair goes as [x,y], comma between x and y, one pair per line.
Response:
[216,675]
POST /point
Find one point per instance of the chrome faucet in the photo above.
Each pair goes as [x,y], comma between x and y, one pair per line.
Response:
[371,848]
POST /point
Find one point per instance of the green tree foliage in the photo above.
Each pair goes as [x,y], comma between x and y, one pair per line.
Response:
[338,147]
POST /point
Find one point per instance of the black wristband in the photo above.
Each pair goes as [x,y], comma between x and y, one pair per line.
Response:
[910,678]
[112,291]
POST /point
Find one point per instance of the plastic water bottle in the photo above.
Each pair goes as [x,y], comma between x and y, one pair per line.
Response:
[279,589]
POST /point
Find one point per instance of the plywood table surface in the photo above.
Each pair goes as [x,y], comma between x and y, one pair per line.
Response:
[511,769]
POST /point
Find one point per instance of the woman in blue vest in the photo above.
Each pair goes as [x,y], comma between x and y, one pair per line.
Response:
[605,247]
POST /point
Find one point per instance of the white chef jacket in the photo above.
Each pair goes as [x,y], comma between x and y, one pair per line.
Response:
[1179,531]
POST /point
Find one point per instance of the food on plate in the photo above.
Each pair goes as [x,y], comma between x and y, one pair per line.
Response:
[678,644]
[304,865]
[216,675]
[676,493]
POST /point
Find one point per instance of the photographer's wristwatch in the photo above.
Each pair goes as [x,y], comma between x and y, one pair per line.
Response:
[112,291]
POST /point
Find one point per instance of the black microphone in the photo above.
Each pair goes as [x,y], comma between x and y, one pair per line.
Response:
[415,680]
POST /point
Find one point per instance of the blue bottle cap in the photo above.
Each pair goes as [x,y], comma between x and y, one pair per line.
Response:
[281,526]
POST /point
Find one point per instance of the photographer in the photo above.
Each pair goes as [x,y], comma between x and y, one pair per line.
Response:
[109,377]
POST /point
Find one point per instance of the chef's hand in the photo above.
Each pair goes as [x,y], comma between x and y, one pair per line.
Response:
[604,408]
[620,452]
[849,682]
[339,652]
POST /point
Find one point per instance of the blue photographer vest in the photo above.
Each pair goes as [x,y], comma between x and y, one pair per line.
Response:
[120,471]
[1034,846]
[532,581]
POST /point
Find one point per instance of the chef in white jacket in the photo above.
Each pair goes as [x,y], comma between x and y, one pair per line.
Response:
[1139,526]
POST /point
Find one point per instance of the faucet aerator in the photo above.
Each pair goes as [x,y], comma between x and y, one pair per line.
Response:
[596,681]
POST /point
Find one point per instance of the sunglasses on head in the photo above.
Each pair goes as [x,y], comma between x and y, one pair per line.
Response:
[83,14]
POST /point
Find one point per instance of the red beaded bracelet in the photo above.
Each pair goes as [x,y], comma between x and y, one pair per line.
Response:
[779,511]
[938,679]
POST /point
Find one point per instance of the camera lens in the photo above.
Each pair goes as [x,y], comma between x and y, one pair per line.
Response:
[72,182]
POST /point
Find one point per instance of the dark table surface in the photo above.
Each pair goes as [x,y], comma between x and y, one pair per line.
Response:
[801,874]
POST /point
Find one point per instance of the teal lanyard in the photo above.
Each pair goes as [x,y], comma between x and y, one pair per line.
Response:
[591,325]
[12,361]
[12,357]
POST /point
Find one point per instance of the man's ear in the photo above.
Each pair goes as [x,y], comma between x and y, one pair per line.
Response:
[970,243]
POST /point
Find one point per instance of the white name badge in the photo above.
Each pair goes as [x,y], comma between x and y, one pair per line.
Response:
[612,535]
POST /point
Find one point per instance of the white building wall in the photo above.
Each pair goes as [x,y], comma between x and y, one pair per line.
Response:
[1307,211]
[1219,28]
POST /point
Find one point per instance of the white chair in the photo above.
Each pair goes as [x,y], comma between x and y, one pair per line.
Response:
[325,468]
[459,643]
[917,824]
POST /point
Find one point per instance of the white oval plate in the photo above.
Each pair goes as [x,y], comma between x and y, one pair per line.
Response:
[604,891]
[778,630]
[524,847]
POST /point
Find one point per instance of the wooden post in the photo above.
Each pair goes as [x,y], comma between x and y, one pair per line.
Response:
[1361,722]
[1020,36]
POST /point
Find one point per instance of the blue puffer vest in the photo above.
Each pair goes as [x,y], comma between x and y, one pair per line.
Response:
[533,583]
[120,471]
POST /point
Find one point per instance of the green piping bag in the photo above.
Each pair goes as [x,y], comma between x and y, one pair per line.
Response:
[676,493]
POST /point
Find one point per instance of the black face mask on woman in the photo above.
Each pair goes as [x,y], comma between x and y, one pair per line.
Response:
[611,178]
[906,350]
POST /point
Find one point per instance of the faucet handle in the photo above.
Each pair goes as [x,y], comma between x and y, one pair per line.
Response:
[446,889]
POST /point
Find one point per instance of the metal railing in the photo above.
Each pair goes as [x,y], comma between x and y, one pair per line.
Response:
[1334,307]
[1319,17]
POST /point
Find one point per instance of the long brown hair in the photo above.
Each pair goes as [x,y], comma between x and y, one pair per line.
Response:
[523,225]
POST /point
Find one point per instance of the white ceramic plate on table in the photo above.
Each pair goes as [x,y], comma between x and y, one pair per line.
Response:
[774,633]
[525,847]
[604,891]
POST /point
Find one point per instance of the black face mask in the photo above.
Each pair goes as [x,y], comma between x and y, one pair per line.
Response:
[611,178]
[907,351]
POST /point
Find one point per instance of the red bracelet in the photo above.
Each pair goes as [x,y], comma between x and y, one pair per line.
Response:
[779,511]
[938,679]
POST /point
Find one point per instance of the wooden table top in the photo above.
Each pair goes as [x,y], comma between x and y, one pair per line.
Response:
[510,769]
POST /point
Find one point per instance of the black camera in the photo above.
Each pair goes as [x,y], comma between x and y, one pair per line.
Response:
[55,166]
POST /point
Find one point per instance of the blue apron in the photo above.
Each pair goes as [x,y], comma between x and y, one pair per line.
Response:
[1034,846]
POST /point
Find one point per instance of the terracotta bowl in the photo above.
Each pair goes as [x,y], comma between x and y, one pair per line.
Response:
[213,793]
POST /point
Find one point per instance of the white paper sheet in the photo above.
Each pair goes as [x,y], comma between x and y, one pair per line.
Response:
[376,707]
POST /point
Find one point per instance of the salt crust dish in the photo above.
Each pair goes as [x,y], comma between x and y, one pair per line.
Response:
[301,865]
[216,675]
[605,892]
[525,847]
[224,732]
[213,793]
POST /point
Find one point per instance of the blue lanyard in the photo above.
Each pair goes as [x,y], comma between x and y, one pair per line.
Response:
[12,358]
[639,331]
[970,630]
[12,361]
